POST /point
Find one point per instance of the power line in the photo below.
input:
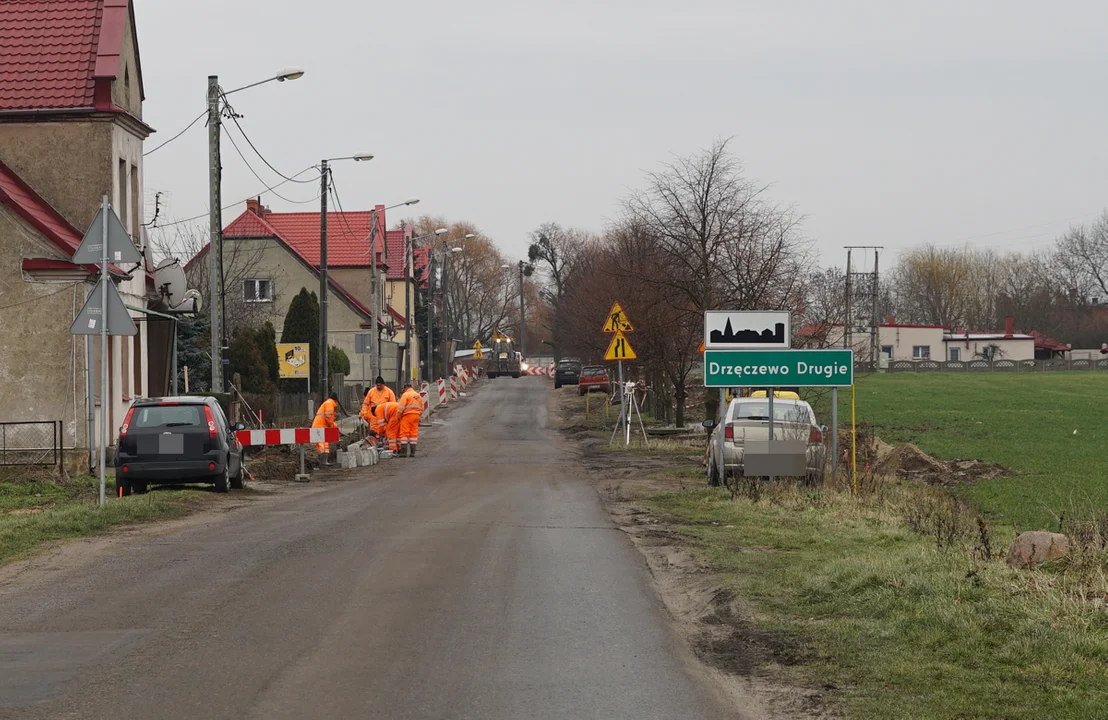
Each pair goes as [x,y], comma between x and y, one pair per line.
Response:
[255,173]
[235,119]
[187,128]
[338,204]
[251,195]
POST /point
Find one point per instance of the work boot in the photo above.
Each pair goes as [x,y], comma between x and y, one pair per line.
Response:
[403,450]
[411,450]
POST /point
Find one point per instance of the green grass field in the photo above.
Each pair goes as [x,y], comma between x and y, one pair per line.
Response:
[37,510]
[1023,421]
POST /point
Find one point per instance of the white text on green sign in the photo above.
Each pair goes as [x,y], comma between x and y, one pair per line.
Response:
[778,368]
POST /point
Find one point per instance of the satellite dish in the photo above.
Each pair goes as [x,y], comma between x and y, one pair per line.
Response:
[170,281]
[190,303]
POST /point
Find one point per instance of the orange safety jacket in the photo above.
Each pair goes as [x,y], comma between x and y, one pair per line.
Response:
[411,403]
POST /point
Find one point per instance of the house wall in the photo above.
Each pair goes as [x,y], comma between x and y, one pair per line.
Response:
[42,366]
[269,259]
[395,294]
[904,339]
[126,89]
[1010,349]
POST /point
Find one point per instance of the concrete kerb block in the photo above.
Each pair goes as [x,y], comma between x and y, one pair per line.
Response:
[347,460]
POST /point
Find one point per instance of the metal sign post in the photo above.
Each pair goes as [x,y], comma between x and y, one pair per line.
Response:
[106,239]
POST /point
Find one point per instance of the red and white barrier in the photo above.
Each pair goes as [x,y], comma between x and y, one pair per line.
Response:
[287,436]
[442,391]
[426,402]
[464,377]
[539,371]
[453,387]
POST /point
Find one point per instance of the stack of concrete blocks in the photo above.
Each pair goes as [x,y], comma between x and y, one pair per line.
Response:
[364,455]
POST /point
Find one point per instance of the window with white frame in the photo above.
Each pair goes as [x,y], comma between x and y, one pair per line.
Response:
[257,290]
[955,354]
[887,350]
[921,352]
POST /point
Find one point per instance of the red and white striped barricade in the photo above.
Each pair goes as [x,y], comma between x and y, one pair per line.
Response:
[442,391]
[289,436]
[453,387]
[463,376]
[426,415]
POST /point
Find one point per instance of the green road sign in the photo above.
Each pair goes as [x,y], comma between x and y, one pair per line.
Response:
[778,368]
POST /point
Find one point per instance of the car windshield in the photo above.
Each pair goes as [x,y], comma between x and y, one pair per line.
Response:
[784,412]
[593,371]
[153,416]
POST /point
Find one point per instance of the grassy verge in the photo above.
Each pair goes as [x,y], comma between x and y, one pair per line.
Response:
[1025,421]
[899,602]
[36,510]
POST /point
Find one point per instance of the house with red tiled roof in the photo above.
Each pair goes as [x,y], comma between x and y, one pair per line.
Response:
[71,131]
[283,250]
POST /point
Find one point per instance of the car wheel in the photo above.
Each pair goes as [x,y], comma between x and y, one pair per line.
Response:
[713,476]
[557,385]
[581,392]
[139,488]
[223,482]
[238,482]
[515,375]
[125,486]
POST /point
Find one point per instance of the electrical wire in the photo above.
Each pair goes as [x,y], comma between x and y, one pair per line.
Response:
[252,195]
[338,203]
[187,128]
[235,119]
[40,297]
[255,172]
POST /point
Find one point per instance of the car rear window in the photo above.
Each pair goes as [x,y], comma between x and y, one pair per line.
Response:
[152,416]
[594,371]
[785,412]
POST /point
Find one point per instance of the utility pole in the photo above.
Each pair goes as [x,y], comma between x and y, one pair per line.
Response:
[522,317]
[215,236]
[409,334]
[324,387]
[848,320]
[374,358]
[873,291]
[430,314]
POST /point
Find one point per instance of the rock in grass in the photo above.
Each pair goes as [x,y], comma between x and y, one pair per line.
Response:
[1032,548]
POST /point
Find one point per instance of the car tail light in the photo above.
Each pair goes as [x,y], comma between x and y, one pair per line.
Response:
[126,469]
[212,430]
[729,432]
[815,436]
[211,466]
[126,424]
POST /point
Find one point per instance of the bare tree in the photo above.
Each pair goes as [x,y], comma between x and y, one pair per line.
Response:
[243,260]
[557,252]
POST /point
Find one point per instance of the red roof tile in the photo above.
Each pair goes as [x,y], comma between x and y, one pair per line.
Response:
[419,264]
[394,258]
[347,234]
[52,52]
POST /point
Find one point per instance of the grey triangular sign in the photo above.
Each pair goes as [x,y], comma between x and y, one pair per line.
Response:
[120,247]
[91,317]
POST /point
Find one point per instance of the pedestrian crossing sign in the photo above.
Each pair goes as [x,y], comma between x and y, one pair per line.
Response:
[620,348]
[617,320]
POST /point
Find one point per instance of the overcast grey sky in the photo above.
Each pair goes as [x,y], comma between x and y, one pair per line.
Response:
[885,122]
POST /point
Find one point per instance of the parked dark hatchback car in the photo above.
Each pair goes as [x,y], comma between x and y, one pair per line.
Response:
[568,372]
[177,440]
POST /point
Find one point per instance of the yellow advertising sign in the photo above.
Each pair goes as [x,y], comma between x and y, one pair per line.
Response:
[293,360]
[617,320]
[620,348]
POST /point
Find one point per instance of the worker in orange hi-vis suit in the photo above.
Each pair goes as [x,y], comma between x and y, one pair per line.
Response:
[388,423]
[325,417]
[411,408]
[380,393]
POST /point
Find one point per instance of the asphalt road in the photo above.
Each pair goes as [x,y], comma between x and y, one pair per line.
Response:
[480,580]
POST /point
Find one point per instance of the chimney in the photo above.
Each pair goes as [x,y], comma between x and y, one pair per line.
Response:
[255,206]
[890,320]
[1009,325]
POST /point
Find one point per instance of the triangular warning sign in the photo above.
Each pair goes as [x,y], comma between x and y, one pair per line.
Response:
[701,348]
[477,345]
[120,247]
[92,317]
[478,355]
[617,320]
[620,348]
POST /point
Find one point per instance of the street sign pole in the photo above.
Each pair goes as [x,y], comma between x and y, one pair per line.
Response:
[835,433]
[770,394]
[104,395]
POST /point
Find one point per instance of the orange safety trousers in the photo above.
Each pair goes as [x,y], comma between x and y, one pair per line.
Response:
[388,423]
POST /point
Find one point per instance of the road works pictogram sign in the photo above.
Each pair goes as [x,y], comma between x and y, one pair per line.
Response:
[617,321]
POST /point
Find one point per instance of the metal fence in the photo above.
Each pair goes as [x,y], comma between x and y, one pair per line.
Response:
[985,365]
[31,443]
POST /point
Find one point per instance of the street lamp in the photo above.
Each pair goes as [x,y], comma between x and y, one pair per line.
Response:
[215,218]
[324,348]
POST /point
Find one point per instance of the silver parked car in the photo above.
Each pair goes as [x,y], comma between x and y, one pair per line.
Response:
[747,421]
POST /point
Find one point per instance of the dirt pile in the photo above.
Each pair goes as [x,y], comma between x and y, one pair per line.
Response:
[909,462]
[276,463]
